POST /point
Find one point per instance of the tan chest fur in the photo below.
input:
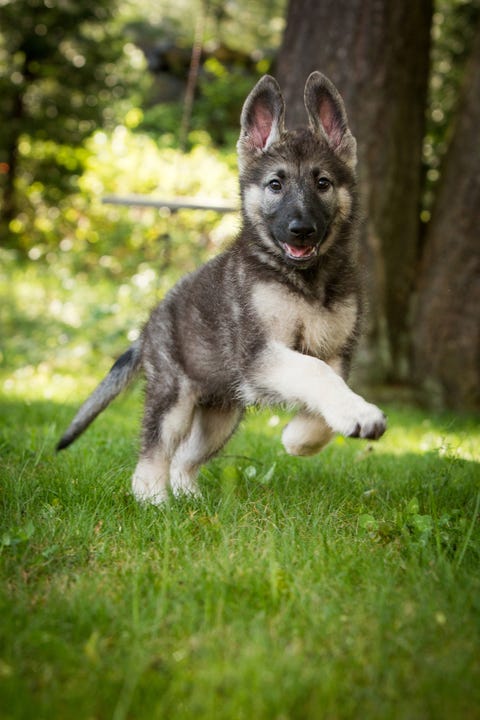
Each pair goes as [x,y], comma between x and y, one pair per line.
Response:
[302,325]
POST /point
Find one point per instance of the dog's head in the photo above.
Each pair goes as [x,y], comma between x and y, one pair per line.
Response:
[297,186]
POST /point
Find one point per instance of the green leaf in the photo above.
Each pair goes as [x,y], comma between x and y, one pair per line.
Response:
[367,523]
[413,506]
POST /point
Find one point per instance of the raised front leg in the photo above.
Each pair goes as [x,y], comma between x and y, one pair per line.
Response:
[283,375]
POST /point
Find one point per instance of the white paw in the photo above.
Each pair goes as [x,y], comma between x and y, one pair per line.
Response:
[306,435]
[148,486]
[184,483]
[355,417]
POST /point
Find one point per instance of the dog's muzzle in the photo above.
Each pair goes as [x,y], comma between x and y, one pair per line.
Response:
[303,242]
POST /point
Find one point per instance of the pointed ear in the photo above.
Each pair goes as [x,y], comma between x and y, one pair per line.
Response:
[327,116]
[262,119]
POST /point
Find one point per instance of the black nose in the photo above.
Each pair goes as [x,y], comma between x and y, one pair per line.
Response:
[301,228]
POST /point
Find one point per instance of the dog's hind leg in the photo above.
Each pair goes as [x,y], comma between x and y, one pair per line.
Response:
[210,430]
[167,421]
[306,434]
[150,478]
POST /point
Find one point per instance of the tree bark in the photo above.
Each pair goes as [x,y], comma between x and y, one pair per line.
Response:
[377,54]
[446,328]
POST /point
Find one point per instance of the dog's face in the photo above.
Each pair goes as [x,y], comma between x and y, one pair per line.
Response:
[296,186]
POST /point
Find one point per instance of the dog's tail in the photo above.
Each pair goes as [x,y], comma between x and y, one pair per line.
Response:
[120,375]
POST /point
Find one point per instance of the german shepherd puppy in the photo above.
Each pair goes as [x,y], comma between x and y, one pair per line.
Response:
[273,319]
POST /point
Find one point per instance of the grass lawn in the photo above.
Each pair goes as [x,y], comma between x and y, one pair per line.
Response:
[342,586]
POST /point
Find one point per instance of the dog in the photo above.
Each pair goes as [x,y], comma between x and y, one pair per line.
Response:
[274,319]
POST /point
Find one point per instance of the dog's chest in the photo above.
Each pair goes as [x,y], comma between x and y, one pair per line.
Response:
[308,327]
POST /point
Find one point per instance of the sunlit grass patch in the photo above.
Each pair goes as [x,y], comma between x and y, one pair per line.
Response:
[340,586]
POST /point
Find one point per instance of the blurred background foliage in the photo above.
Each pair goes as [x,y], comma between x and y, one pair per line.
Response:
[93,103]
[105,97]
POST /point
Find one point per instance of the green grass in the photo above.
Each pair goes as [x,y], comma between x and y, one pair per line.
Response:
[342,586]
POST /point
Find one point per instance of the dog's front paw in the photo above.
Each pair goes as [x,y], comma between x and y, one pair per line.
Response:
[371,425]
[355,417]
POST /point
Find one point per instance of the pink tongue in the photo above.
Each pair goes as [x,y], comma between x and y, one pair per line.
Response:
[298,251]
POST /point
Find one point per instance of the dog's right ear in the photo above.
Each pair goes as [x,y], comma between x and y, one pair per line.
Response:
[262,119]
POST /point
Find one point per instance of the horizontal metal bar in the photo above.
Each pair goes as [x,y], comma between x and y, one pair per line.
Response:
[174,205]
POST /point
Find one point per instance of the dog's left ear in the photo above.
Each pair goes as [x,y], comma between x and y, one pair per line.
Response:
[328,117]
[262,119]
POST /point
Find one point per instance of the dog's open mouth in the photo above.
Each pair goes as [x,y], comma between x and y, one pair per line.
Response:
[299,253]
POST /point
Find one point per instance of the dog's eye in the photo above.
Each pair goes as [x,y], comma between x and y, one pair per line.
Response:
[323,184]
[275,185]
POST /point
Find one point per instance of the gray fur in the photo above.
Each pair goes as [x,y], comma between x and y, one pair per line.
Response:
[273,319]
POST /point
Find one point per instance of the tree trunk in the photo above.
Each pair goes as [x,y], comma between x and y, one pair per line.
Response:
[377,54]
[446,328]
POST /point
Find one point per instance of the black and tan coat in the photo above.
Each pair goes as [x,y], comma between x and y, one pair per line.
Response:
[273,319]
